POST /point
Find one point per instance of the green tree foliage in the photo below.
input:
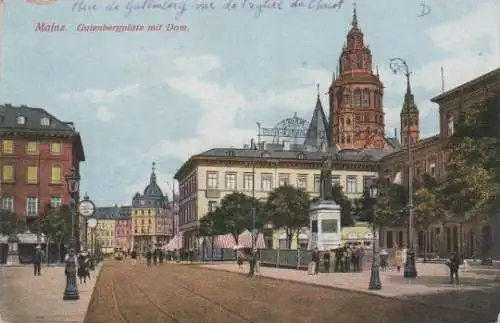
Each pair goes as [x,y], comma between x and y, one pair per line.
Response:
[470,189]
[11,223]
[363,207]
[55,224]
[288,209]
[427,203]
[390,204]
[234,215]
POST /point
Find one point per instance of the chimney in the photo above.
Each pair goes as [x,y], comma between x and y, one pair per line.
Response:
[252,144]
[395,132]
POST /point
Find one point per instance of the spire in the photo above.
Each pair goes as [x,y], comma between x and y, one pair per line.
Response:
[153,175]
[354,16]
[317,134]
[317,88]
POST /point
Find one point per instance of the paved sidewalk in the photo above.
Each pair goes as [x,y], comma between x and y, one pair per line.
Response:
[38,299]
[432,279]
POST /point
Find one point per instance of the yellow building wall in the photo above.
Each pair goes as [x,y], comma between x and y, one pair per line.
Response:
[105,234]
[143,221]
[293,174]
[278,234]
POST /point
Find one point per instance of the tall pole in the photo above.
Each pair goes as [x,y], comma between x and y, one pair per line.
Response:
[253,205]
[399,65]
[375,283]
[71,290]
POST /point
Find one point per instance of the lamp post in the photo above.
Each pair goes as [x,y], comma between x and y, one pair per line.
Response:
[71,290]
[398,65]
[375,283]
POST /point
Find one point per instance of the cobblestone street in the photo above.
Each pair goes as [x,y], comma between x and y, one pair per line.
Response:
[190,293]
[26,298]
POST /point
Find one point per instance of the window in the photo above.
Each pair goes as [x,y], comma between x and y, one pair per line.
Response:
[336,180]
[367,182]
[230,181]
[347,97]
[20,120]
[8,174]
[8,146]
[317,183]
[314,226]
[212,180]
[32,175]
[366,98]
[266,182]
[283,244]
[55,147]
[302,181]
[45,121]
[357,98]
[8,203]
[359,61]
[55,201]
[212,205]
[329,226]
[248,181]
[284,179]
[352,184]
[451,124]
[432,168]
[32,206]
[55,175]
[32,147]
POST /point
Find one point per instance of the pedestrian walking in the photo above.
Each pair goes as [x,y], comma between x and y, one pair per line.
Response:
[148,258]
[326,261]
[399,259]
[82,270]
[133,255]
[160,256]
[37,260]
[240,259]
[155,257]
[454,263]
[316,260]
[252,260]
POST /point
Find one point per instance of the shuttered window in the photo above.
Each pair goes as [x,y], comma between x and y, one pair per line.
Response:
[32,147]
[55,177]
[32,175]
[8,146]
[8,174]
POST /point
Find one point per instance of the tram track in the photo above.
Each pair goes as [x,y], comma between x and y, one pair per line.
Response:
[181,284]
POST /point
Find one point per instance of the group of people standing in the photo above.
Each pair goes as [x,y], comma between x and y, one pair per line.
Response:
[346,259]
[253,260]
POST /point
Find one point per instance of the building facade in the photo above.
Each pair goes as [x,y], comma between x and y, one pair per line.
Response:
[356,97]
[37,150]
[429,156]
[150,224]
[207,177]
[123,229]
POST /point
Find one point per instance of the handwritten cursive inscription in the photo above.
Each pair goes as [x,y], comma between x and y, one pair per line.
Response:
[179,7]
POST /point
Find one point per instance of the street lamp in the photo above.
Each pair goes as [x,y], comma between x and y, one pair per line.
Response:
[398,65]
[375,283]
[71,290]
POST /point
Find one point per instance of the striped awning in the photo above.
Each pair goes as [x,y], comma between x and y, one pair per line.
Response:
[245,240]
[224,241]
[175,243]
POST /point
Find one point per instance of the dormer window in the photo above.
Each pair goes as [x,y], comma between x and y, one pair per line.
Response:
[301,155]
[230,153]
[451,124]
[45,121]
[20,120]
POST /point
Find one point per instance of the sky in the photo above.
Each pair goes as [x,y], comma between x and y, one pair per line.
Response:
[143,96]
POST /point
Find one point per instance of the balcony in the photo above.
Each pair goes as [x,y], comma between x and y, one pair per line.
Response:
[212,193]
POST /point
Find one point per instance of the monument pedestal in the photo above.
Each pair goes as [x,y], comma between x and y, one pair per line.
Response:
[324,225]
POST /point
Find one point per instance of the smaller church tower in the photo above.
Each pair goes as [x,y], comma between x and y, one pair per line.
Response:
[409,117]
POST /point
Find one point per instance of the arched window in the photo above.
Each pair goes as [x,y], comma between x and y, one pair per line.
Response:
[359,63]
[451,124]
[348,121]
[366,98]
[379,99]
[347,97]
[343,139]
[357,98]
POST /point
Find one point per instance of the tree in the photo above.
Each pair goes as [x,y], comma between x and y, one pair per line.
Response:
[11,223]
[234,215]
[55,225]
[288,209]
[363,207]
[390,205]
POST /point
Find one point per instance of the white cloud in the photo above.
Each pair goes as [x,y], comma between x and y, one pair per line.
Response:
[220,106]
[196,66]
[103,113]
[101,95]
[302,97]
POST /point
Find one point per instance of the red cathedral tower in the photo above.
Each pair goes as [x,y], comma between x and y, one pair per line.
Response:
[356,97]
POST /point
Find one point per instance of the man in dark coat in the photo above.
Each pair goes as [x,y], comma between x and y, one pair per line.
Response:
[252,261]
[454,263]
[37,260]
[316,258]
